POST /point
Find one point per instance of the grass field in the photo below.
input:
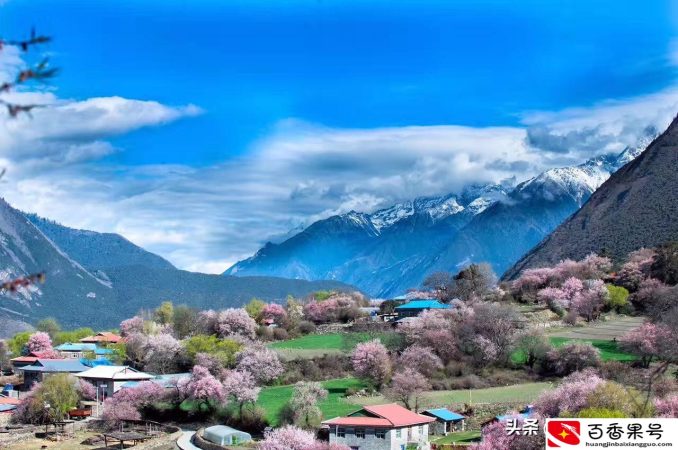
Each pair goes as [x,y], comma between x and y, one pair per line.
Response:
[274,398]
[526,392]
[461,437]
[314,345]
[330,341]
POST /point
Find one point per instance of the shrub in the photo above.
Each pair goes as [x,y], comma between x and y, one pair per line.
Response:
[280,334]
[306,327]
[618,298]
[600,413]
[571,358]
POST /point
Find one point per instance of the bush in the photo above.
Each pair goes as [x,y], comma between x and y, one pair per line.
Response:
[265,333]
[280,334]
[618,298]
[571,358]
[306,327]
[600,413]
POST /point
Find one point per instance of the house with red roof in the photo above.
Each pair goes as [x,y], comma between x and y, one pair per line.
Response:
[102,338]
[381,427]
[30,359]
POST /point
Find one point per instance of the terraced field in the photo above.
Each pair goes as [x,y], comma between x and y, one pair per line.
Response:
[604,331]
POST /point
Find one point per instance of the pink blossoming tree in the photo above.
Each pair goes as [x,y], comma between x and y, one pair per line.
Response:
[422,358]
[372,361]
[407,387]
[235,322]
[261,362]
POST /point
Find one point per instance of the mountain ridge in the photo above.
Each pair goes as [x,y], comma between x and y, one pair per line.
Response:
[636,207]
[116,280]
[392,249]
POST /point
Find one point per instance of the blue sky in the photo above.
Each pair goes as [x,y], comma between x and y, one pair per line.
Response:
[292,80]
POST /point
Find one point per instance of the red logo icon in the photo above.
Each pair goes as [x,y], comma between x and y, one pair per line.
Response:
[561,432]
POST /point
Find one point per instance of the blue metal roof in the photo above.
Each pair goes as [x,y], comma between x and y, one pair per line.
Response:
[524,414]
[56,365]
[76,347]
[423,304]
[5,408]
[444,414]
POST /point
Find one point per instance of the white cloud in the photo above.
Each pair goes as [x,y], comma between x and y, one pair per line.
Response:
[206,218]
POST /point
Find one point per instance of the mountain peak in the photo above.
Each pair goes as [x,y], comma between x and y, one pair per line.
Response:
[635,208]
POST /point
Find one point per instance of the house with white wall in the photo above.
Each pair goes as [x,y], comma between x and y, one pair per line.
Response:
[381,427]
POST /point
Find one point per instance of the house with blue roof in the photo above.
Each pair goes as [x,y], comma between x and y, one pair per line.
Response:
[415,307]
[36,372]
[525,413]
[79,350]
[446,421]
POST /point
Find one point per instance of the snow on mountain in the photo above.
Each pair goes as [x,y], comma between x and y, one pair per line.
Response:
[394,248]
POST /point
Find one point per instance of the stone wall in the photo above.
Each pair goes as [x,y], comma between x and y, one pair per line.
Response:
[17,434]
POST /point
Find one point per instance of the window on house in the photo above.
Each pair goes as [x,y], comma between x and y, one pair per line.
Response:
[421,429]
[399,433]
[380,434]
[341,432]
[360,433]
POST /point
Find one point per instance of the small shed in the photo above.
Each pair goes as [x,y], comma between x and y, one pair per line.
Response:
[446,421]
[415,307]
[224,435]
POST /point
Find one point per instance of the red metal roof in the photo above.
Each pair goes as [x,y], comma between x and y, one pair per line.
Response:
[390,415]
[9,401]
[28,359]
[359,422]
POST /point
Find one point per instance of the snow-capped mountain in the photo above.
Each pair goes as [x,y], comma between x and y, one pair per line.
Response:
[635,208]
[393,249]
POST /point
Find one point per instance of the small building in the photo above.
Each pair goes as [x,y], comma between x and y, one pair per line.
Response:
[446,421]
[37,372]
[415,307]
[169,381]
[104,338]
[224,435]
[380,427]
[80,350]
[28,360]
[525,413]
[110,379]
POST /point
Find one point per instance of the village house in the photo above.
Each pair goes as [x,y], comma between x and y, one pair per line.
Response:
[80,350]
[525,413]
[446,421]
[104,338]
[37,372]
[380,427]
[415,307]
[110,379]
[27,360]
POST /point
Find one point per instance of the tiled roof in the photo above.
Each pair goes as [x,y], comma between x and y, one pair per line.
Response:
[444,414]
[423,304]
[390,415]
[104,336]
